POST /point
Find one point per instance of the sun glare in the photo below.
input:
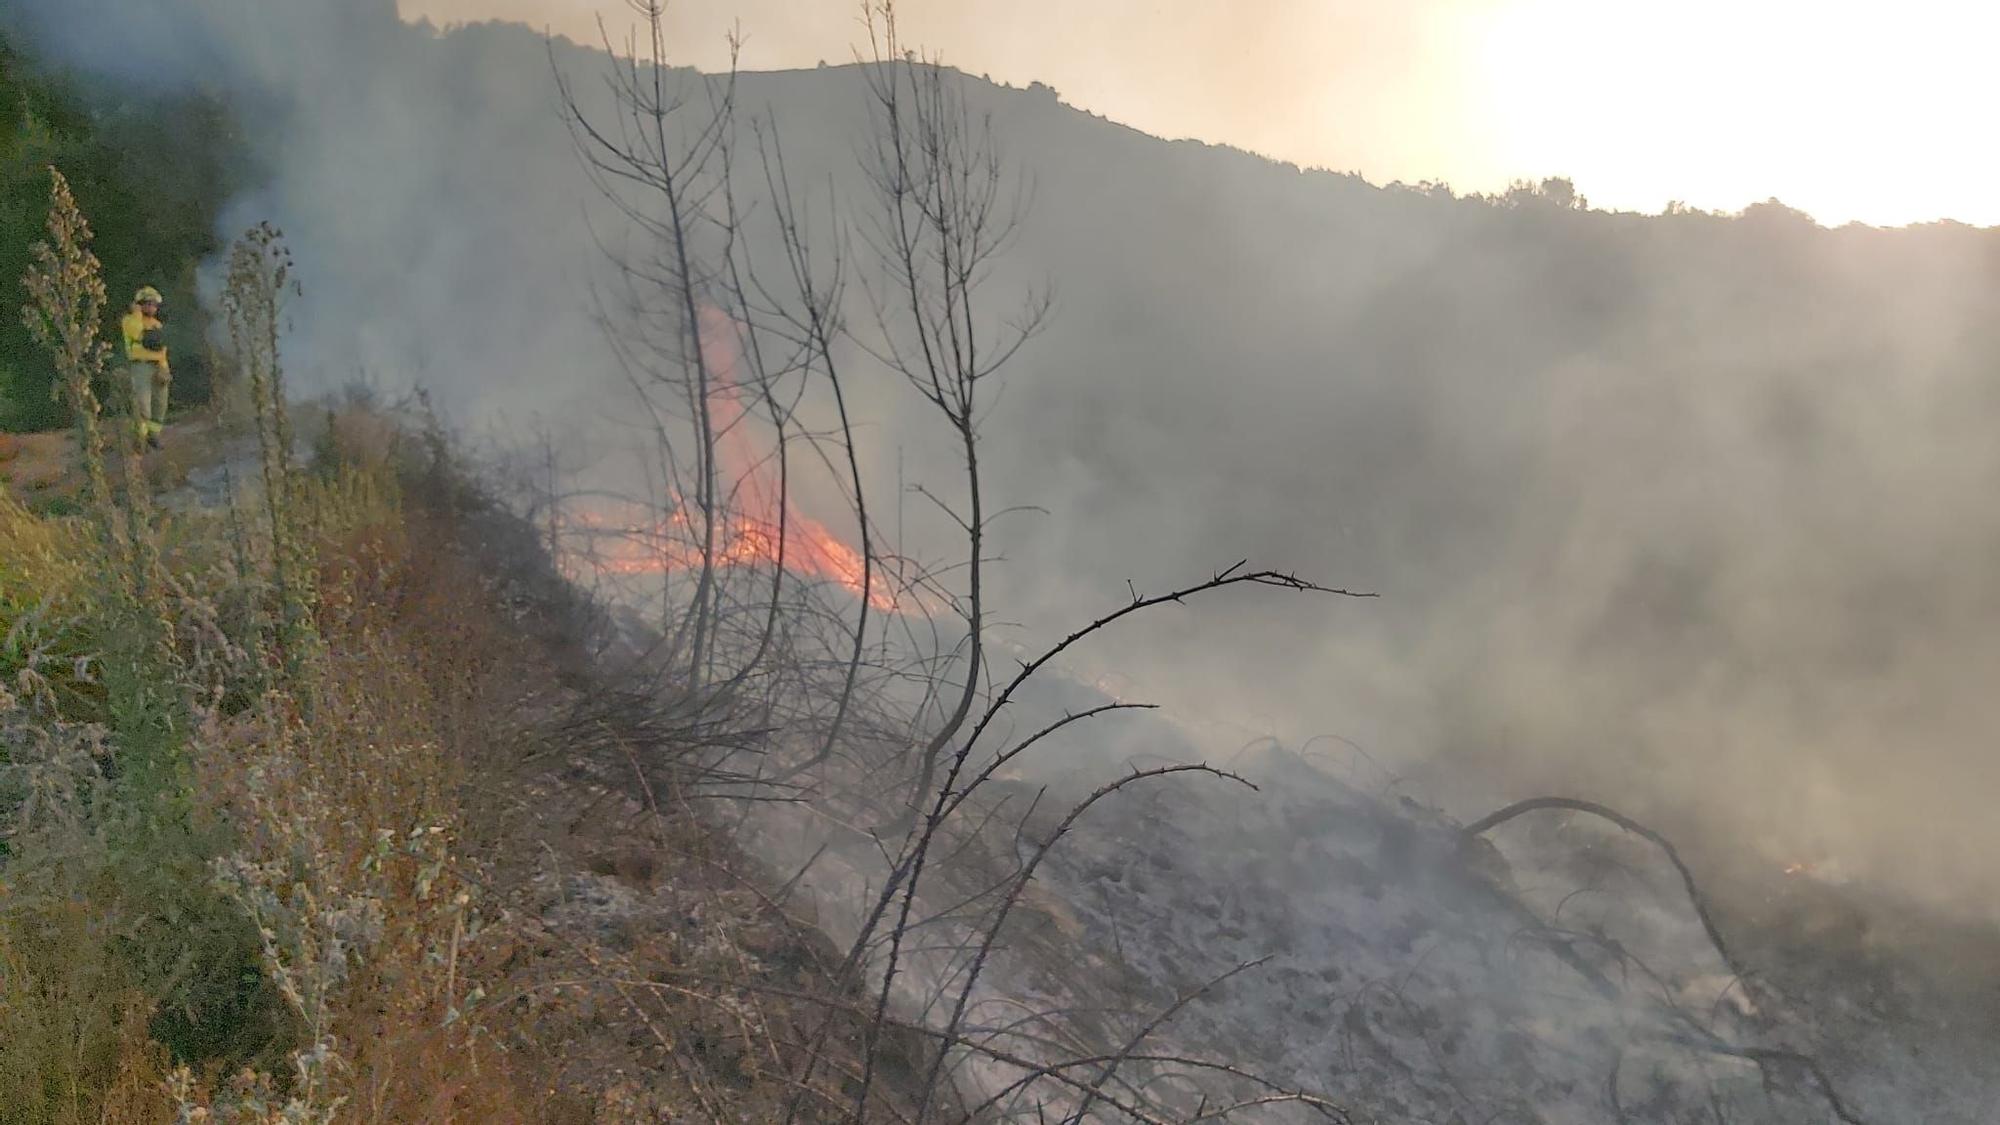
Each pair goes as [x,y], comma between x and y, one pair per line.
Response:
[1848,111]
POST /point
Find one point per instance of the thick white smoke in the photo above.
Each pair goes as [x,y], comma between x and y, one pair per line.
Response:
[1687,513]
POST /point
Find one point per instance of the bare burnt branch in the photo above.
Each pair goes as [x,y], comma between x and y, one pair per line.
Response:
[1691,1033]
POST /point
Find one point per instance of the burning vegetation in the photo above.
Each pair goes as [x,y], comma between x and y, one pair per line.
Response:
[668,787]
[760,529]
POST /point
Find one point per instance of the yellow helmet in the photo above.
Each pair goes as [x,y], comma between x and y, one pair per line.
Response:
[148,296]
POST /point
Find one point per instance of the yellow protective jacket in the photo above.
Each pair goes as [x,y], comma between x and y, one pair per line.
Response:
[136,324]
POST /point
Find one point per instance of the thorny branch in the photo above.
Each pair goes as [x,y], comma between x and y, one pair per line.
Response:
[1694,1036]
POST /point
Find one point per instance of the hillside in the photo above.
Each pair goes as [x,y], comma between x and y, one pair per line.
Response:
[407,874]
[1682,515]
[1639,456]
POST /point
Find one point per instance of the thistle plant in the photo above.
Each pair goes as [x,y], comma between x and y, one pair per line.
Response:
[66,300]
[260,279]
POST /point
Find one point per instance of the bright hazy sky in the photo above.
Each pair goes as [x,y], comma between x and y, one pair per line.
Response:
[1874,110]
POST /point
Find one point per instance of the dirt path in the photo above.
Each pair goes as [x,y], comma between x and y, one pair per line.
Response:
[44,470]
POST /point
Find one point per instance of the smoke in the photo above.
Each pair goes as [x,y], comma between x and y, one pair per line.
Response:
[423,182]
[1686,513]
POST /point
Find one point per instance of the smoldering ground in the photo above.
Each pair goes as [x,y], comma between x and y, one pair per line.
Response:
[1685,513]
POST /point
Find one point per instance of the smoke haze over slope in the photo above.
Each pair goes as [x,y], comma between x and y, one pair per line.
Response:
[1847,111]
[1687,513]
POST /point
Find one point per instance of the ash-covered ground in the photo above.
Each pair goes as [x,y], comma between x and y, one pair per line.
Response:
[1328,932]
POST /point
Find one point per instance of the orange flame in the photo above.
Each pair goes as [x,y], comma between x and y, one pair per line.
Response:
[756,533]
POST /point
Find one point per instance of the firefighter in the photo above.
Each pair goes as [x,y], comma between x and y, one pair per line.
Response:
[146,363]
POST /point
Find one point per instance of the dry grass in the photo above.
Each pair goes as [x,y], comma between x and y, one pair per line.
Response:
[460,895]
[233,748]
[324,813]
[633,961]
[314,809]
[347,795]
